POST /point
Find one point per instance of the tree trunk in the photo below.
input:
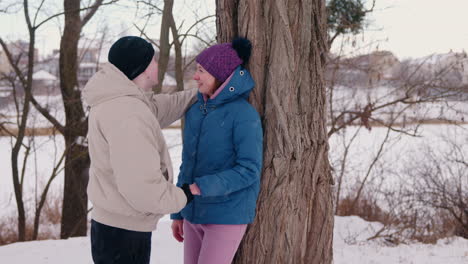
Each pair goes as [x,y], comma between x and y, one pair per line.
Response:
[26,83]
[179,68]
[75,200]
[164,46]
[294,222]
[17,178]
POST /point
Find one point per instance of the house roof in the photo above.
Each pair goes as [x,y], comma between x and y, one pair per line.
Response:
[169,80]
[43,76]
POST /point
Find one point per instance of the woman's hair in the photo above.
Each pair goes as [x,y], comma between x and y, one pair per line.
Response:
[217,84]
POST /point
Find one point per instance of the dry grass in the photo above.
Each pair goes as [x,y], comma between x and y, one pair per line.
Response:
[42,131]
[48,227]
[8,229]
[52,211]
[416,225]
[364,208]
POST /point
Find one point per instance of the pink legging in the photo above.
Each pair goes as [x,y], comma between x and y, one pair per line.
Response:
[211,244]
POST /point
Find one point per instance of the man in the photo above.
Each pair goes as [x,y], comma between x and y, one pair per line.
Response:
[131,174]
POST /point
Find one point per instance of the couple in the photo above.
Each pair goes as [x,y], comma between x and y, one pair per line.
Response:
[130,183]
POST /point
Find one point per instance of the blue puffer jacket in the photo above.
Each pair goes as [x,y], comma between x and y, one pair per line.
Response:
[222,153]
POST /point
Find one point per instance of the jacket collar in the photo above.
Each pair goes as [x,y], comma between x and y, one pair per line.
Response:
[239,84]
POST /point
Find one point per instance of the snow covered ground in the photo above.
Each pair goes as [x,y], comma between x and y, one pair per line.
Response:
[399,152]
[349,246]
[350,234]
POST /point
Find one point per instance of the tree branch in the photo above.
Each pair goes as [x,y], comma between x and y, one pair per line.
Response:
[37,11]
[146,36]
[26,15]
[48,116]
[12,63]
[194,24]
[195,36]
[81,9]
[92,10]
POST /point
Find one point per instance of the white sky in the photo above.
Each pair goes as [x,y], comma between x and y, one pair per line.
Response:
[409,28]
[415,28]
[119,19]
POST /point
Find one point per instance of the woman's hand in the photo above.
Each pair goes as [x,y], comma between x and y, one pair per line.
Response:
[194,189]
[178,230]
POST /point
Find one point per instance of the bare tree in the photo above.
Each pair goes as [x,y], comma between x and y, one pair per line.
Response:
[342,165]
[164,45]
[75,199]
[26,83]
[389,110]
[58,166]
[430,201]
[407,88]
[441,183]
[294,220]
[75,202]
[21,82]
[168,24]
[412,87]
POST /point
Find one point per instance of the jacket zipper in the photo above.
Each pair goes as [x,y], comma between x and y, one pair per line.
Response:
[204,112]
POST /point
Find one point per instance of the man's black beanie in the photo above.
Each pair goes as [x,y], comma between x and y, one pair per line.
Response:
[131,55]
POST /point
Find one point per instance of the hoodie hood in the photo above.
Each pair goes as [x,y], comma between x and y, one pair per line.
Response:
[239,84]
[107,84]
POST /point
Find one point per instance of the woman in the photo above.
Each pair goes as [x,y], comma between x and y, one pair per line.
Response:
[221,158]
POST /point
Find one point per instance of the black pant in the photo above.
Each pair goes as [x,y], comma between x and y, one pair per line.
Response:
[119,246]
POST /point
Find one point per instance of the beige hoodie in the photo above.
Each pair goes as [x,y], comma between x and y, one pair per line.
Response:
[130,184]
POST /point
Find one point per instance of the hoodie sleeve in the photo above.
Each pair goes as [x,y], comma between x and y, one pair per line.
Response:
[248,137]
[171,107]
[178,216]
[135,160]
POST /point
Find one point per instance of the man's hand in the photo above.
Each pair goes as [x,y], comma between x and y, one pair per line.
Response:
[194,189]
[178,230]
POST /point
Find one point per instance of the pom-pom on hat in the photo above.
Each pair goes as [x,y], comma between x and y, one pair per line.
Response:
[222,59]
[131,55]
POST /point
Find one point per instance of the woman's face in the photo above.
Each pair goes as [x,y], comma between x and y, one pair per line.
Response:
[206,82]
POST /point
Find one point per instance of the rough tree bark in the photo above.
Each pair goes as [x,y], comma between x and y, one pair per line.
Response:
[294,222]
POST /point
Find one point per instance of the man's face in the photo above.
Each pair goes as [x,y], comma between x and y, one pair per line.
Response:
[152,72]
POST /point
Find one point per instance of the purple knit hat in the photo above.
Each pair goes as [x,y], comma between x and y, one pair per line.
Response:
[219,60]
[222,59]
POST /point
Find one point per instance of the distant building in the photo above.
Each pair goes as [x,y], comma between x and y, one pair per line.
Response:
[378,65]
[19,51]
[89,63]
[44,83]
[49,64]
[364,71]
[5,66]
[88,60]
